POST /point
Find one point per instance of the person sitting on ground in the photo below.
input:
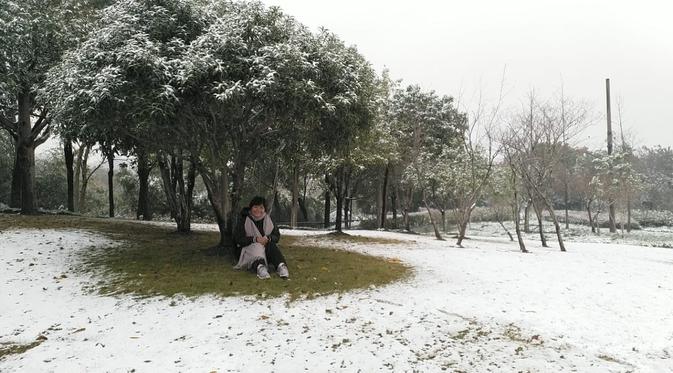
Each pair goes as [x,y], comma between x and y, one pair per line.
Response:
[258,237]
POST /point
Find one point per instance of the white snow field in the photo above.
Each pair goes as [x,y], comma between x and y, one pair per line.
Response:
[483,308]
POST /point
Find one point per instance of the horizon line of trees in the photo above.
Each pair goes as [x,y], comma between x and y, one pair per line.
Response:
[239,99]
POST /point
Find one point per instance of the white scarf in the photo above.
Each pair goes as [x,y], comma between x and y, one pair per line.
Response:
[251,229]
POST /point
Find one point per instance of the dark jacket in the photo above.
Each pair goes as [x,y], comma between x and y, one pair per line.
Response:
[242,240]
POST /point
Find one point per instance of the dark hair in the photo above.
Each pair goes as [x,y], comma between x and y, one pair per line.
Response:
[256,201]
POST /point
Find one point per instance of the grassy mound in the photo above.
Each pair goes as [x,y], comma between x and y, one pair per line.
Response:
[154,260]
[7,348]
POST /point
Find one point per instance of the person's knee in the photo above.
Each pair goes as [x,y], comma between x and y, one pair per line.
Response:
[257,245]
[273,246]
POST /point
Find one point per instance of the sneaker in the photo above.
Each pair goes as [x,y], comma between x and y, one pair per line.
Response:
[282,271]
[262,272]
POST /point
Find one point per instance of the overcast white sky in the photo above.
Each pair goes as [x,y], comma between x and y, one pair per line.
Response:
[462,46]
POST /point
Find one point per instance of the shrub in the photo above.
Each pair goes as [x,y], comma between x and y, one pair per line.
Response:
[653,218]
[51,187]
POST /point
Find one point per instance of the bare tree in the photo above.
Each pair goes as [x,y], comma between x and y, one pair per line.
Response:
[536,138]
[472,164]
[630,179]
[514,181]
[83,174]
[498,196]
[586,185]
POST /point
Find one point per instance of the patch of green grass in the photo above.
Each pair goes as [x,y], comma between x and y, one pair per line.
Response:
[461,334]
[7,349]
[513,332]
[152,260]
[472,334]
[612,359]
[608,358]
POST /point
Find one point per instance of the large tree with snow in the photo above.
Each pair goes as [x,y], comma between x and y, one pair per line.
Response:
[117,88]
[256,81]
[467,168]
[33,36]
[426,125]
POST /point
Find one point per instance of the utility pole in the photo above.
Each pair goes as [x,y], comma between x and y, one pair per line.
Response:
[611,201]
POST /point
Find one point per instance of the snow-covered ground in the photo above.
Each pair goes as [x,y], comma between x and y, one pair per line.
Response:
[596,308]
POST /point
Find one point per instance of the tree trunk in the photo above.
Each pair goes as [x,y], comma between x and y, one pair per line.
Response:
[27,136]
[143,211]
[351,202]
[15,197]
[502,224]
[350,209]
[517,222]
[327,208]
[406,207]
[276,205]
[217,186]
[178,195]
[76,182]
[464,220]
[236,191]
[557,226]
[346,198]
[110,154]
[432,219]
[526,217]
[538,214]
[295,196]
[462,230]
[27,172]
[303,209]
[25,155]
[84,167]
[379,204]
[443,212]
[565,199]
[384,194]
[393,202]
[438,235]
[187,199]
[226,206]
[612,217]
[591,219]
[70,177]
[271,201]
[539,197]
[628,213]
[302,201]
[339,198]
